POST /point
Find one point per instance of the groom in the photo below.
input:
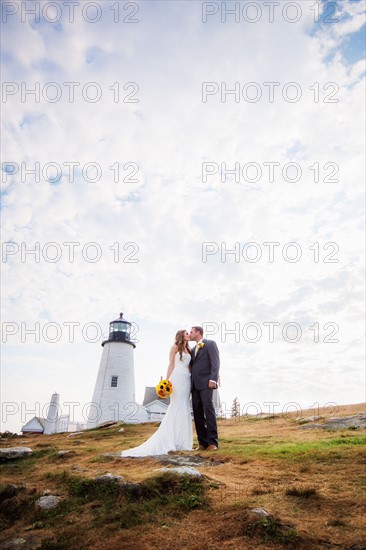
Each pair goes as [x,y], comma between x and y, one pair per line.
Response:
[205,365]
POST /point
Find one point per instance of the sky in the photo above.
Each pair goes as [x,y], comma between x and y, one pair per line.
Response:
[186,163]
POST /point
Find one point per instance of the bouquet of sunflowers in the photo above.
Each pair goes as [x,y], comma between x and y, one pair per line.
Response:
[164,388]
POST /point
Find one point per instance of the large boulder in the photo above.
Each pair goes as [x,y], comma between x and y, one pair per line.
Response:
[354,422]
[48,502]
[182,470]
[12,453]
[108,478]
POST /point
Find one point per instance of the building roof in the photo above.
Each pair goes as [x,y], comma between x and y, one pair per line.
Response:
[151,395]
[156,405]
[41,421]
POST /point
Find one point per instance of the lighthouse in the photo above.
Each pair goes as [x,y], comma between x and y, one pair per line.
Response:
[114,392]
[51,425]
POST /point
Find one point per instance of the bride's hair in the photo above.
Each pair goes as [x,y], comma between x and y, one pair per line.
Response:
[181,343]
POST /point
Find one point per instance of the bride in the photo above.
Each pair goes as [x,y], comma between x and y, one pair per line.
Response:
[175,430]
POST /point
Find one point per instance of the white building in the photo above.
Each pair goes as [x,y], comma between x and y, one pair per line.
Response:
[156,406]
[114,392]
[34,426]
[54,423]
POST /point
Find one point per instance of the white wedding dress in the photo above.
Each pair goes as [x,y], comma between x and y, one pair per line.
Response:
[175,430]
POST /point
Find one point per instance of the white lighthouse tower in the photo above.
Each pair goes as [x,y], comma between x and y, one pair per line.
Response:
[53,418]
[114,392]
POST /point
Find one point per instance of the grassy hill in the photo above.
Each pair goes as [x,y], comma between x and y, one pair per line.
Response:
[310,481]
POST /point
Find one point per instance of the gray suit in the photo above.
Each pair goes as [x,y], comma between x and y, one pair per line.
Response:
[205,366]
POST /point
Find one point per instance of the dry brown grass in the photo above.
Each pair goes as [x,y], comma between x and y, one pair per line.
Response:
[310,481]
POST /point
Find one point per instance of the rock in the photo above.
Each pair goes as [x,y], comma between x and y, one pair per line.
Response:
[35,525]
[12,453]
[74,434]
[48,502]
[63,454]
[121,430]
[260,512]
[112,455]
[182,470]
[11,490]
[177,460]
[187,460]
[354,422]
[79,468]
[108,478]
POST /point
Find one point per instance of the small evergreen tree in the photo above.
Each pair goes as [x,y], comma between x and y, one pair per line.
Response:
[235,408]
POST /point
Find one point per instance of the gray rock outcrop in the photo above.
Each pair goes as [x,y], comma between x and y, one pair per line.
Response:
[354,422]
[182,470]
[108,478]
[12,453]
[48,502]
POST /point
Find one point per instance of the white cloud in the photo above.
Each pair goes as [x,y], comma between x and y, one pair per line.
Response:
[170,212]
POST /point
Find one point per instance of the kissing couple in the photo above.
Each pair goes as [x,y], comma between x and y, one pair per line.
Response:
[193,371]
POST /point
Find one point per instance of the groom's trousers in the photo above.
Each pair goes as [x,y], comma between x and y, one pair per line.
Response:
[204,416]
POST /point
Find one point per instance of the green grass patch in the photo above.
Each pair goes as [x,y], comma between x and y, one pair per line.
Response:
[16,508]
[28,463]
[51,518]
[120,505]
[64,541]
[129,504]
[102,459]
[346,440]
[267,418]
[268,529]
[286,449]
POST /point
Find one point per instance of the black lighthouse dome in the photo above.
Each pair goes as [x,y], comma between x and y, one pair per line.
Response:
[120,331]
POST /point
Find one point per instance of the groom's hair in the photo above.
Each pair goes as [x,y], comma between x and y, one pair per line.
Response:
[198,329]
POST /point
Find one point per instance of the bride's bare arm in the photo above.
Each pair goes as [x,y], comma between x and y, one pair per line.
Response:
[173,351]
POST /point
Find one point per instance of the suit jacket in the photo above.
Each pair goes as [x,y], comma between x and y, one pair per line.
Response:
[205,365]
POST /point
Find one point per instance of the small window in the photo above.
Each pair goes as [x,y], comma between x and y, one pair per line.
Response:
[114,381]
